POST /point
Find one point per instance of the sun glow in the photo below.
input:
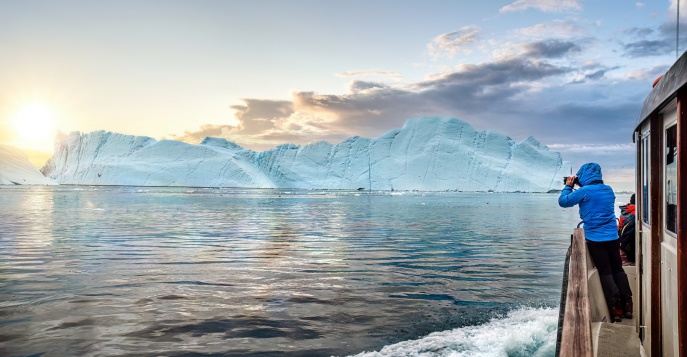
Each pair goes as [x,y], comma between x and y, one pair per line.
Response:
[34,125]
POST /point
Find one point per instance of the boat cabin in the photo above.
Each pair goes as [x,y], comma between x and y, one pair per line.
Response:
[661,169]
[659,276]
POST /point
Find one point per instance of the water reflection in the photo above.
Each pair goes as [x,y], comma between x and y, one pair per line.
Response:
[172,271]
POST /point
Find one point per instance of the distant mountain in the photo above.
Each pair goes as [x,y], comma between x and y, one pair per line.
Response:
[16,169]
[427,154]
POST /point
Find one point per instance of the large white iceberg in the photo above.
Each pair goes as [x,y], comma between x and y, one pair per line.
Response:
[427,154]
[16,169]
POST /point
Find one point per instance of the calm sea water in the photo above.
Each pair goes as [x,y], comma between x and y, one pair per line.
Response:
[114,271]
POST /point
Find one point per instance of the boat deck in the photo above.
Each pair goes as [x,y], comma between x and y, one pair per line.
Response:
[613,339]
[616,339]
[585,328]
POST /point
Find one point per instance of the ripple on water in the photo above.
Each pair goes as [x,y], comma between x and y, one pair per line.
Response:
[178,271]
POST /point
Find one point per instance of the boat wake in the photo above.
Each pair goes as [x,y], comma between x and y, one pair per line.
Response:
[523,332]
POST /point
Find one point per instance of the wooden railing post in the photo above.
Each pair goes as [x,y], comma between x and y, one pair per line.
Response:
[576,338]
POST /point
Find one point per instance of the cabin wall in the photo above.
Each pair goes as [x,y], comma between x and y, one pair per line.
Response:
[682,223]
[643,234]
[645,291]
[652,239]
[661,212]
[669,346]
[668,233]
[662,264]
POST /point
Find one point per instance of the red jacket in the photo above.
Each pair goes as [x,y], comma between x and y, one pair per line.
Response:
[625,212]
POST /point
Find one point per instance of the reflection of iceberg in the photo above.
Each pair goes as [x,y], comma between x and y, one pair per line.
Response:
[15,169]
[429,154]
[525,332]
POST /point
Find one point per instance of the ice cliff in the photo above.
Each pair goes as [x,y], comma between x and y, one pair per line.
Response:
[427,154]
[15,169]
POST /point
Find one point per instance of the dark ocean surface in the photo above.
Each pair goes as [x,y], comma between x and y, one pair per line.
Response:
[141,271]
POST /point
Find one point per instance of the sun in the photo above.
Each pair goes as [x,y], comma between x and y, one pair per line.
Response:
[34,125]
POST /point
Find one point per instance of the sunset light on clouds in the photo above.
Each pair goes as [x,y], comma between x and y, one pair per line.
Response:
[571,73]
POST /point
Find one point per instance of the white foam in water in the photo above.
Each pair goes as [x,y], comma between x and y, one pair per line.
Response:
[524,332]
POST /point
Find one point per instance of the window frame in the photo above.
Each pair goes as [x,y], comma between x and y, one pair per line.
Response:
[669,125]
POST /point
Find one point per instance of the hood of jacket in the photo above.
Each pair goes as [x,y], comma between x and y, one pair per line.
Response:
[627,209]
[588,173]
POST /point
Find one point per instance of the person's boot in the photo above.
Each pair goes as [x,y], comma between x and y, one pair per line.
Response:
[627,307]
[616,312]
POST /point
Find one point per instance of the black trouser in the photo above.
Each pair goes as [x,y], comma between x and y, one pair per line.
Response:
[606,258]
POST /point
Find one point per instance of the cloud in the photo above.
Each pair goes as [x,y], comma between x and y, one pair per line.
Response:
[259,114]
[526,93]
[617,165]
[542,5]
[620,174]
[595,148]
[370,73]
[647,42]
[594,73]
[206,130]
[640,32]
[580,121]
[495,73]
[555,39]
[254,118]
[646,74]
[449,44]
[560,29]
[370,109]
[359,86]
[673,9]
[646,48]
[551,48]
[468,90]
[617,160]
[261,108]
[640,5]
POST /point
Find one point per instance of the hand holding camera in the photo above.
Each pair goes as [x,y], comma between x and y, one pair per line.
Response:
[571,181]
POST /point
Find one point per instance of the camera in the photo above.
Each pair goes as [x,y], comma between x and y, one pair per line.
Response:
[577,180]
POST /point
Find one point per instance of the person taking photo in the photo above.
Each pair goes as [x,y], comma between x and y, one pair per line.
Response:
[597,212]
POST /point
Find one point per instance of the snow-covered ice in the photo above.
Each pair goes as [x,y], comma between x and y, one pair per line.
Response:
[427,154]
[15,169]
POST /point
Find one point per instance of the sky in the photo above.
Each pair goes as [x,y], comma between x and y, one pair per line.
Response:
[571,73]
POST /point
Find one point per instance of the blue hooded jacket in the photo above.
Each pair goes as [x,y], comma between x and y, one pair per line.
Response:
[596,202]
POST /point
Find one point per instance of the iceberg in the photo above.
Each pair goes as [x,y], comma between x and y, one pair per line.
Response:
[15,169]
[426,154]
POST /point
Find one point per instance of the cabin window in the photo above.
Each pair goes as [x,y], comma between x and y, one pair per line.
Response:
[646,167]
[671,178]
